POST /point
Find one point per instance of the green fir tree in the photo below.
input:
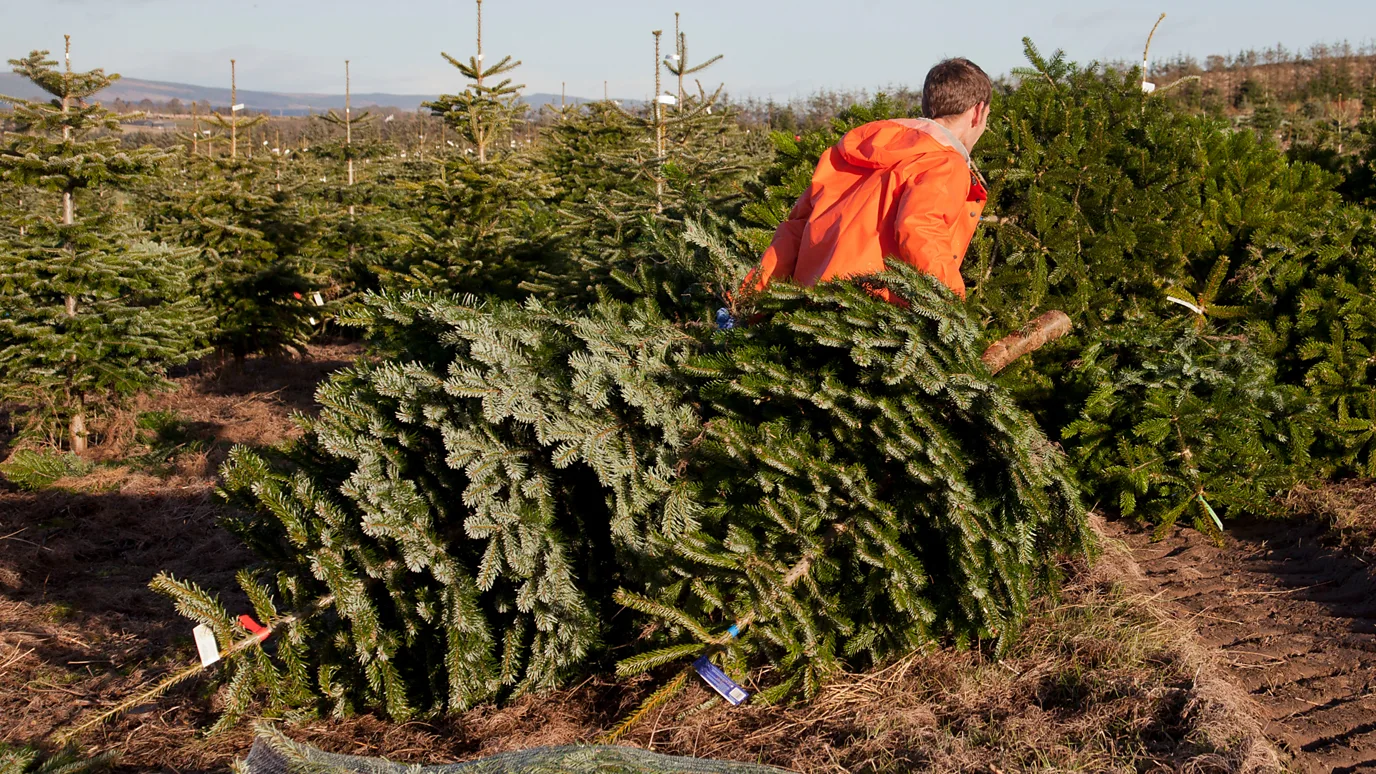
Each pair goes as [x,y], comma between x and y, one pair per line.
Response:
[632,177]
[484,225]
[252,238]
[93,311]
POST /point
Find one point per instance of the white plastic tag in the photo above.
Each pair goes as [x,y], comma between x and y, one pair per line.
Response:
[206,645]
[667,99]
[1185,304]
[1148,87]
[237,108]
[318,299]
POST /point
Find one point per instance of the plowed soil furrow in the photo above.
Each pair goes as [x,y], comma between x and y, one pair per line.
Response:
[1295,622]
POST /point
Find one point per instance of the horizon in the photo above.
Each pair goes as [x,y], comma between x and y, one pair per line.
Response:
[301,50]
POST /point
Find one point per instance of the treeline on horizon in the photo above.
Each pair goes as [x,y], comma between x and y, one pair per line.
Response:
[1334,81]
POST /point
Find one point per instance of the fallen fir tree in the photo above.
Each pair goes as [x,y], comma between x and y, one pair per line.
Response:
[514,495]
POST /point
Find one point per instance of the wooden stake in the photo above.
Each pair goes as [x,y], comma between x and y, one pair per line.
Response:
[233,119]
[479,135]
[67,132]
[76,427]
[679,46]
[659,133]
[349,135]
[1147,47]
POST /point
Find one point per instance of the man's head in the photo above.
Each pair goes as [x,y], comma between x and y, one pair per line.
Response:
[956,95]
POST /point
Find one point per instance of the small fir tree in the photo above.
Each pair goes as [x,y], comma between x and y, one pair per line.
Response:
[94,312]
[1160,434]
[251,239]
[484,113]
[484,224]
[363,226]
[629,178]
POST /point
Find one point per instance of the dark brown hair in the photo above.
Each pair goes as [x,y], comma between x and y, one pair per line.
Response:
[953,87]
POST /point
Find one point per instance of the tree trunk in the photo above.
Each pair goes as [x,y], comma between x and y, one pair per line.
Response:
[1038,333]
[76,430]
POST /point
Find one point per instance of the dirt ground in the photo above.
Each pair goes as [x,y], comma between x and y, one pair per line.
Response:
[1100,681]
[79,628]
[1294,616]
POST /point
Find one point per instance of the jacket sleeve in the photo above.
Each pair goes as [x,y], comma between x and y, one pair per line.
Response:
[780,259]
[926,218]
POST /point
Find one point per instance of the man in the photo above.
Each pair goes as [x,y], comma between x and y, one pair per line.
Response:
[902,188]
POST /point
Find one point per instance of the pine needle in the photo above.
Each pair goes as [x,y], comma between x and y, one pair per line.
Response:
[143,698]
[655,700]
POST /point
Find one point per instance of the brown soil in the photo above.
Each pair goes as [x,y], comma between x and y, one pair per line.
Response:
[1295,618]
[79,628]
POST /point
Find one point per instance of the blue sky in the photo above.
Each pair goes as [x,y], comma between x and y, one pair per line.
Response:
[772,47]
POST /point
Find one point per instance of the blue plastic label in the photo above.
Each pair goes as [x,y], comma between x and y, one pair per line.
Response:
[725,321]
[720,683]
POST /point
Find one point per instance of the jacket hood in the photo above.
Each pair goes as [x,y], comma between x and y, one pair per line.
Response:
[882,144]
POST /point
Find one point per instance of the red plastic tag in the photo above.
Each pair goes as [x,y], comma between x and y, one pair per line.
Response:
[253,626]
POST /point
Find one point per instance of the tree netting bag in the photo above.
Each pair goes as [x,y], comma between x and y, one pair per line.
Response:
[273,753]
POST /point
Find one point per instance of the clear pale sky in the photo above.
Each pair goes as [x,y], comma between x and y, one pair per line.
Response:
[772,47]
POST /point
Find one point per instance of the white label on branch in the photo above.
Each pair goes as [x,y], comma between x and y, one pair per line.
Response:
[237,108]
[206,646]
[1185,304]
[1148,87]
[316,297]
[667,99]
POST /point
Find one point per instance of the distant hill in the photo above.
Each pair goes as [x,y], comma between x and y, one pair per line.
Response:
[135,90]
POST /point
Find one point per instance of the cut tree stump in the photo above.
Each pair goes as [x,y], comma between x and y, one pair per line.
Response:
[1034,336]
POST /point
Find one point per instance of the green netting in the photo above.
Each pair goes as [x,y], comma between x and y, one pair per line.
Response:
[273,753]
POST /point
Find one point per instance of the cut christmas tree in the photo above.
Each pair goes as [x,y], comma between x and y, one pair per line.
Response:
[836,484]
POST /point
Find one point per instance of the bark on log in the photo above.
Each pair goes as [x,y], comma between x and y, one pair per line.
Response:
[1038,333]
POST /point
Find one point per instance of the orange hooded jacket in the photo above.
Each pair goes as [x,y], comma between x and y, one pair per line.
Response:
[903,188]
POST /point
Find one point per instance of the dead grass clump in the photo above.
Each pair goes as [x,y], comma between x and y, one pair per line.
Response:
[1348,506]
[1095,684]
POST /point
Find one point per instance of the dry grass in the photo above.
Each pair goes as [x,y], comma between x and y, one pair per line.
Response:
[1348,506]
[1100,682]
